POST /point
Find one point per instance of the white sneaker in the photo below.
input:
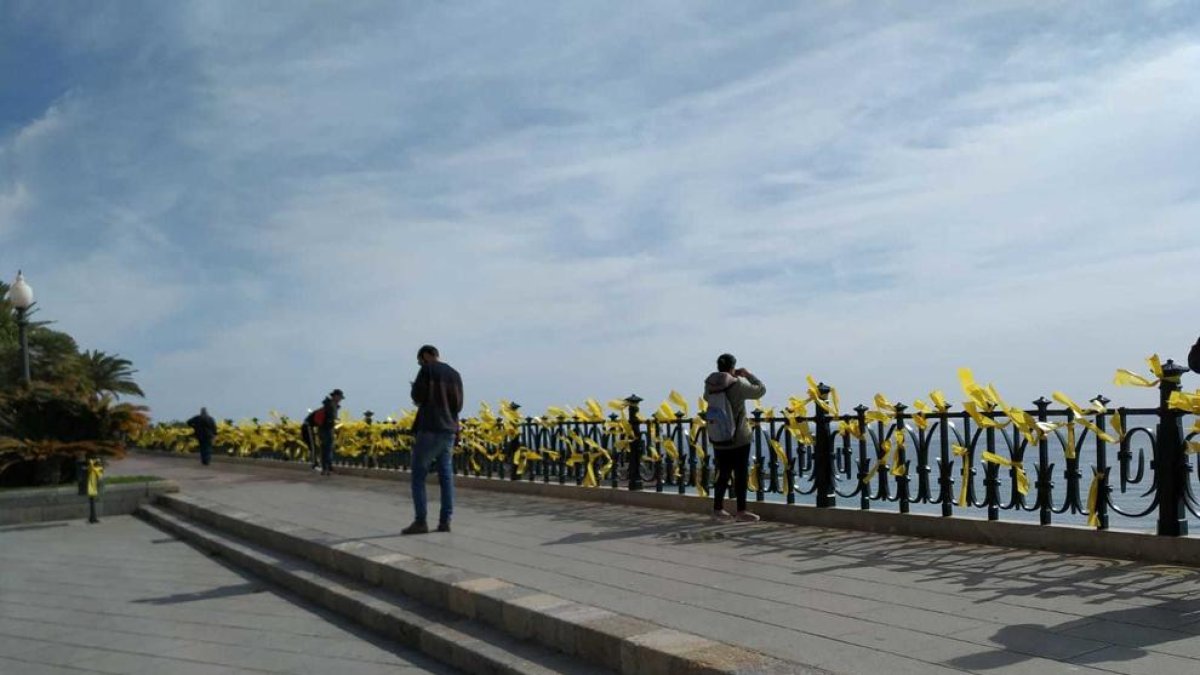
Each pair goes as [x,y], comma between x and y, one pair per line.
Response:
[746,517]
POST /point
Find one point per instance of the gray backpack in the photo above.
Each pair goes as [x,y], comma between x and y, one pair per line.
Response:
[719,418]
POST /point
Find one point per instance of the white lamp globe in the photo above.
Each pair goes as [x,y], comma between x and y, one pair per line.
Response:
[20,294]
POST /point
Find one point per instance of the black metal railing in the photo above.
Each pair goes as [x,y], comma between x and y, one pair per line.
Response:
[1068,464]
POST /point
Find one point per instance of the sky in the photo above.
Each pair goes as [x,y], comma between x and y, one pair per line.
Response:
[257,202]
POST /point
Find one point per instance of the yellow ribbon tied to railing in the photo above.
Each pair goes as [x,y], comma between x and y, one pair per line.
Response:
[95,471]
[1094,498]
[890,455]
[922,409]
[1081,416]
[961,452]
[1022,479]
[777,448]
[752,477]
[1185,402]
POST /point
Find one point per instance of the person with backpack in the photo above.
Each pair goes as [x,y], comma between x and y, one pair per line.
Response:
[438,393]
[205,429]
[726,392]
[323,420]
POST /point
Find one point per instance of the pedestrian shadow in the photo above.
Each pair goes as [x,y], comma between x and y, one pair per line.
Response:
[612,535]
[1118,635]
[211,594]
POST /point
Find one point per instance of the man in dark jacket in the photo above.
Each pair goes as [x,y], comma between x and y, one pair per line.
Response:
[205,429]
[733,456]
[438,393]
[329,409]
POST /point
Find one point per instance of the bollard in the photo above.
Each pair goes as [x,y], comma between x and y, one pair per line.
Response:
[1170,457]
[91,474]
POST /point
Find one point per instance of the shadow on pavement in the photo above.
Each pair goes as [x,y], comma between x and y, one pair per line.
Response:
[212,593]
[1131,630]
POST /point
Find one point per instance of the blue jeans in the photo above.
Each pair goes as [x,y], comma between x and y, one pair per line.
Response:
[430,447]
[326,450]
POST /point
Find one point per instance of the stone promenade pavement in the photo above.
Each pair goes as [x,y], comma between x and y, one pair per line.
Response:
[123,597]
[846,601]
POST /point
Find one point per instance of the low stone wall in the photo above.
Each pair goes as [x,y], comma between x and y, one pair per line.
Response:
[36,505]
[1069,539]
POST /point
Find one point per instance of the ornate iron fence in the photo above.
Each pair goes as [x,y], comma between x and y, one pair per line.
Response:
[1065,464]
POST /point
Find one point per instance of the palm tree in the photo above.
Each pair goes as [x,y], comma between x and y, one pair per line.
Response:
[108,374]
[44,429]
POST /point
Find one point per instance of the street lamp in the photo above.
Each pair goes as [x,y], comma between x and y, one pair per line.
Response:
[20,295]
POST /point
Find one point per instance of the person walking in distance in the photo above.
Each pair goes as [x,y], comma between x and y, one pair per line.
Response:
[726,392]
[205,429]
[438,394]
[324,420]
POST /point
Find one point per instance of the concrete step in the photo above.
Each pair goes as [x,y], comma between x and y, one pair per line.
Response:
[589,634]
[467,645]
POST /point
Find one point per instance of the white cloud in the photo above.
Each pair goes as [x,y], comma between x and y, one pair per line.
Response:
[573,204]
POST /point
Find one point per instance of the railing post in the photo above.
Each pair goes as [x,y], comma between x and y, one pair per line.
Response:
[756,461]
[636,445]
[823,479]
[864,464]
[1045,470]
[1170,457]
[902,481]
[1102,466]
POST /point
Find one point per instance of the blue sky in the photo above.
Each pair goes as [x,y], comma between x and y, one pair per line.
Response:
[259,201]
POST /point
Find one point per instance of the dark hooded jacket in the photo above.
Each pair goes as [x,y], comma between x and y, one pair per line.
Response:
[204,426]
[738,390]
[438,393]
[331,414]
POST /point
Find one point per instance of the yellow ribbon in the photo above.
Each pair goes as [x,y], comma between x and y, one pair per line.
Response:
[752,477]
[1155,365]
[889,456]
[850,427]
[700,489]
[1022,479]
[980,419]
[877,416]
[679,401]
[779,452]
[94,473]
[1094,498]
[669,448]
[1185,402]
[1126,378]
[664,412]
[961,452]
[800,432]
[972,390]
[939,400]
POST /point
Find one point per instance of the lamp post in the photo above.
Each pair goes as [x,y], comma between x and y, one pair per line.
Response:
[20,294]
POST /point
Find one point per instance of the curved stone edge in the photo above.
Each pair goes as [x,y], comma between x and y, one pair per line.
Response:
[620,643]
